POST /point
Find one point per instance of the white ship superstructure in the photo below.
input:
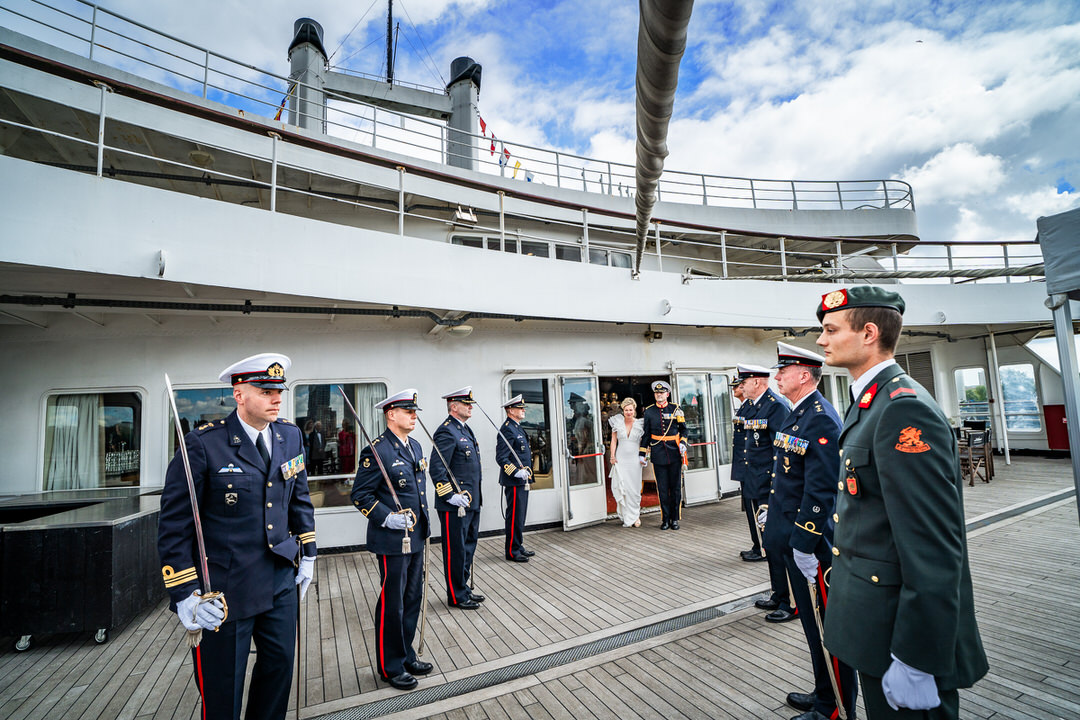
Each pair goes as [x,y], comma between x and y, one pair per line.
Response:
[156,218]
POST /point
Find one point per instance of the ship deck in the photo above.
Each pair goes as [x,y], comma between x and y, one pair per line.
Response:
[607,622]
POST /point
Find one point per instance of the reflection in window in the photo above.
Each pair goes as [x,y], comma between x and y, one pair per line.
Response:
[1021,401]
[579,403]
[537,426]
[971,394]
[331,437]
[198,406]
[92,440]
[692,392]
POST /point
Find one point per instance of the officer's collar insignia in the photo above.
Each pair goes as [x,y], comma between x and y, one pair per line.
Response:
[868,396]
[235,439]
[367,462]
[910,441]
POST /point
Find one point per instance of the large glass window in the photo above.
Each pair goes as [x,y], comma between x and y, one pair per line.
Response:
[722,403]
[198,406]
[537,426]
[92,440]
[971,394]
[838,398]
[692,394]
[331,437]
[1021,400]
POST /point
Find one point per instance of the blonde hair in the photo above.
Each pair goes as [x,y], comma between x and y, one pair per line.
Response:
[631,402]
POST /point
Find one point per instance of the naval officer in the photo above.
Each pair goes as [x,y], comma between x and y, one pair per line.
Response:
[457,444]
[663,440]
[515,475]
[766,412]
[259,529]
[801,501]
[738,465]
[396,507]
[901,609]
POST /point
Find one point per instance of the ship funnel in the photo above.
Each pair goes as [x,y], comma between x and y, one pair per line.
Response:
[464,91]
[307,59]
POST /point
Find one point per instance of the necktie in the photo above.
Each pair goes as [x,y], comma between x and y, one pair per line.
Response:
[260,445]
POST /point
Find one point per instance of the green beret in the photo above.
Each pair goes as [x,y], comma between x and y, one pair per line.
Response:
[859,296]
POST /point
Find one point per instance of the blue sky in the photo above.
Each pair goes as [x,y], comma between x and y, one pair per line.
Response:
[977,104]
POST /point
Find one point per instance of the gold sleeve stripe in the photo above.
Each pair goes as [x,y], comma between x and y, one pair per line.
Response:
[305,541]
[172,579]
[307,537]
[509,469]
[369,509]
[809,527]
[443,489]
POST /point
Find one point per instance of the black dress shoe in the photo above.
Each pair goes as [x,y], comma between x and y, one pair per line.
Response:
[527,553]
[423,668]
[810,715]
[748,553]
[770,605]
[754,557]
[665,525]
[476,597]
[799,701]
[781,615]
[518,558]
[674,524]
[404,681]
[467,605]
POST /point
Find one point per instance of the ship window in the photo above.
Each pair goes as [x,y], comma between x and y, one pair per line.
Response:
[691,399]
[198,406]
[598,257]
[568,252]
[537,249]
[621,260]
[971,394]
[468,241]
[1020,398]
[537,426]
[331,437]
[92,440]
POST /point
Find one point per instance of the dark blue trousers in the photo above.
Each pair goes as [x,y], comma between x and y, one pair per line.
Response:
[471,527]
[750,507]
[453,552]
[517,504]
[398,610]
[776,548]
[221,658]
[669,490]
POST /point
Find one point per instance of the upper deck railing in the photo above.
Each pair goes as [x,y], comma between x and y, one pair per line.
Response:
[104,36]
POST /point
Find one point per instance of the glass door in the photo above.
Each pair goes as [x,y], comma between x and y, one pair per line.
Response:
[723,411]
[583,450]
[699,476]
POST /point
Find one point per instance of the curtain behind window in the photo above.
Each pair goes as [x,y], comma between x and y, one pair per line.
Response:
[75,431]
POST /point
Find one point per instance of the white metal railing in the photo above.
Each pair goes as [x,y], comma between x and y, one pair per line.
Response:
[110,38]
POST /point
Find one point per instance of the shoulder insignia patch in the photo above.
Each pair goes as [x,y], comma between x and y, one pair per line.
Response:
[285,420]
[206,426]
[868,396]
[901,391]
[910,441]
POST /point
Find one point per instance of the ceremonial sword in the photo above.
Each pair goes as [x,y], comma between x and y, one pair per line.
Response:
[833,670]
[406,542]
[498,431]
[194,637]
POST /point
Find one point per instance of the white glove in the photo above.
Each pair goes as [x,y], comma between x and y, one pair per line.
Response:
[195,615]
[682,448]
[305,574]
[396,521]
[523,474]
[762,515]
[807,563]
[458,500]
[906,687]
[644,461]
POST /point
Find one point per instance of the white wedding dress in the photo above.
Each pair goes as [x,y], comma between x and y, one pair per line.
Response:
[626,471]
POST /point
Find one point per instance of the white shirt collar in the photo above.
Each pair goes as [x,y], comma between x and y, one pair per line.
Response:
[252,433]
[857,386]
[802,400]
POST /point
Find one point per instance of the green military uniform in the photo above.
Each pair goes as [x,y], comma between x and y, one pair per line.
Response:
[900,581]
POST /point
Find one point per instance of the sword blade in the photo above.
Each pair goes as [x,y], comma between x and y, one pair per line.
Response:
[199,542]
[498,432]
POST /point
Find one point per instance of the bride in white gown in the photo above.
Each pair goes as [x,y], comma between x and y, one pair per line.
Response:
[625,468]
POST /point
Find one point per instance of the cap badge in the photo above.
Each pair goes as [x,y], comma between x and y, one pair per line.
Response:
[834,299]
[276,371]
[911,441]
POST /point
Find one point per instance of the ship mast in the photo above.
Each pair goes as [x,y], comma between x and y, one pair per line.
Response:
[390,42]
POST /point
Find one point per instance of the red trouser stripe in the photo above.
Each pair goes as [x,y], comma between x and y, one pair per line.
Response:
[513,526]
[446,544]
[382,619]
[835,663]
[198,674]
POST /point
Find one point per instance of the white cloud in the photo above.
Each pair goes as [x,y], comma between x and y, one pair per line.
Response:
[958,171]
[1042,202]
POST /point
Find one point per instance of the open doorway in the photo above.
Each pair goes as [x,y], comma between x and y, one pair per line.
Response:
[613,389]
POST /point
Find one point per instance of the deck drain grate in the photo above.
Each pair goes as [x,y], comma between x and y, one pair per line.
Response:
[525,668]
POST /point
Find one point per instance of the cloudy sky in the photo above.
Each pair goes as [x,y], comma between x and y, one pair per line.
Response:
[976,104]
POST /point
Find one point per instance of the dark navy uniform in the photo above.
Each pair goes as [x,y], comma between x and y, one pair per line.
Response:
[762,421]
[457,443]
[664,430]
[515,489]
[738,466]
[255,522]
[802,500]
[402,574]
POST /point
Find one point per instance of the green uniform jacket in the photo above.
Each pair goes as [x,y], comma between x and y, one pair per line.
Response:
[900,581]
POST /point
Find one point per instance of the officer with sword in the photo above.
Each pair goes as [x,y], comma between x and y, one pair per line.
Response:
[390,492]
[515,475]
[235,517]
